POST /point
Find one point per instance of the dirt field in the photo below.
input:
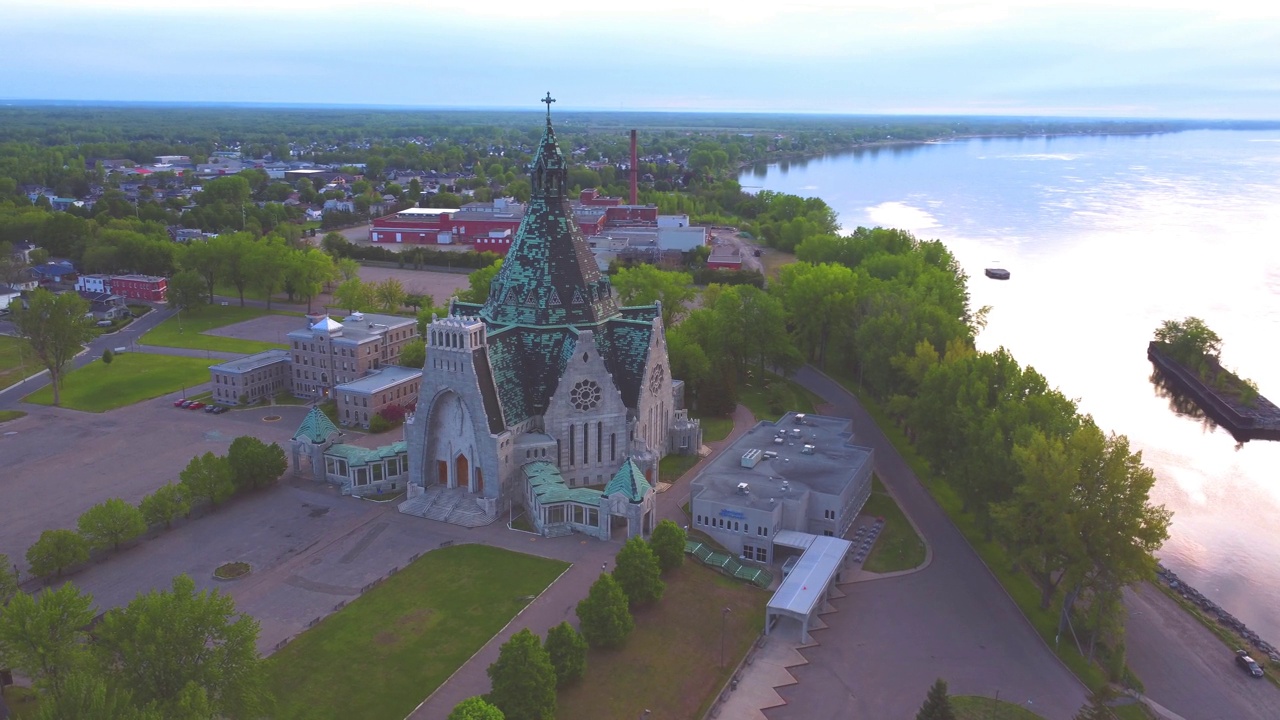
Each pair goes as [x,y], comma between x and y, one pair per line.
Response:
[439,285]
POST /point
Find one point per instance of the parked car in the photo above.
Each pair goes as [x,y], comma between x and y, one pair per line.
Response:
[195,405]
[210,408]
[220,409]
[186,403]
[179,402]
[1248,664]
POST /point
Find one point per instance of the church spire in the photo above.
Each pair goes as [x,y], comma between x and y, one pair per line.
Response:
[549,276]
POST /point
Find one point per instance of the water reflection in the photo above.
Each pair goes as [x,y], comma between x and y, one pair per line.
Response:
[1182,404]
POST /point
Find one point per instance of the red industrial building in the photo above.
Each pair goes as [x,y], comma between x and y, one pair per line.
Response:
[492,226]
[140,287]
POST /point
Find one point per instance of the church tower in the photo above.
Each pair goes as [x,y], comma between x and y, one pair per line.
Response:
[549,388]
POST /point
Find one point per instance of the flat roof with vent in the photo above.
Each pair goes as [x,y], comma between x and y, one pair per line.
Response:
[829,468]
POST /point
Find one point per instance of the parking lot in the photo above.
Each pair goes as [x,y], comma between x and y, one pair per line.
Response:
[58,463]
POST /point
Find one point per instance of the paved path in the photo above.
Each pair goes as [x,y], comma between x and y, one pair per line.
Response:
[1186,668]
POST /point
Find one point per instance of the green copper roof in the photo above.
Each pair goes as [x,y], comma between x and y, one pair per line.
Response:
[549,487]
[629,481]
[357,456]
[549,276]
[315,427]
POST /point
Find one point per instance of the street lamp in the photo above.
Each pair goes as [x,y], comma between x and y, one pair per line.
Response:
[724,618]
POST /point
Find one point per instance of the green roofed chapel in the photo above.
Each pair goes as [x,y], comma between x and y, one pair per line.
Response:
[548,397]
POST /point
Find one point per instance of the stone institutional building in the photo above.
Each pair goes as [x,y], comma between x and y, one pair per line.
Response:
[549,395]
[354,362]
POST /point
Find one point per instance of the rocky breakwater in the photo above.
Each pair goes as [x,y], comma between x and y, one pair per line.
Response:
[1216,612]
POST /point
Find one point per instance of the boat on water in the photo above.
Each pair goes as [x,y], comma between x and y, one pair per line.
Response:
[997,273]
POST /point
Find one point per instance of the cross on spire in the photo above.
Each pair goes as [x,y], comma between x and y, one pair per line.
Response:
[548,100]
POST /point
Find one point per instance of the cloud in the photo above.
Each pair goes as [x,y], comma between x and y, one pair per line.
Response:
[1131,57]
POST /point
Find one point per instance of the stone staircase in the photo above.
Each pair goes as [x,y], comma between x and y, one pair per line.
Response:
[456,506]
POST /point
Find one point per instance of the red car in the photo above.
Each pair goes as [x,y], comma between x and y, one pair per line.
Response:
[180,402]
[195,406]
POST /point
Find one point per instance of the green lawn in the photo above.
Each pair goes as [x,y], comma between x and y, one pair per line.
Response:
[132,377]
[1023,591]
[185,330]
[898,547]
[384,653]
[670,664]
[7,415]
[673,466]
[769,396]
[973,707]
[15,356]
[716,428]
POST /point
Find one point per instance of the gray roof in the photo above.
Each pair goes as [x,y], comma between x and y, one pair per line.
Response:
[829,469]
[388,376]
[807,583]
[253,362]
[359,327]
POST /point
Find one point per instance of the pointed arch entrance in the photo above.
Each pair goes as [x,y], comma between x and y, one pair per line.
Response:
[461,471]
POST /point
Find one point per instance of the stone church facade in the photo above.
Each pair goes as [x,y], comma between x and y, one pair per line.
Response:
[549,398]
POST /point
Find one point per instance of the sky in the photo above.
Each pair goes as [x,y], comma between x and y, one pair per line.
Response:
[1110,58]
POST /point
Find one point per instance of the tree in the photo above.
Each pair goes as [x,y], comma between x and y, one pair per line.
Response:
[8,580]
[638,572]
[821,304]
[269,261]
[107,356]
[413,354]
[568,652]
[85,695]
[937,705]
[56,328]
[1190,341]
[207,477]
[646,285]
[667,542]
[349,269]
[603,614]
[164,505]
[355,295]
[110,523]
[203,258]
[524,682]
[43,636]
[235,254]
[164,645]
[389,294]
[254,463]
[55,551]
[187,291]
[307,273]
[479,281]
[475,708]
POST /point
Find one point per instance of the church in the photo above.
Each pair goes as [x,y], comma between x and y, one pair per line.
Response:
[550,398]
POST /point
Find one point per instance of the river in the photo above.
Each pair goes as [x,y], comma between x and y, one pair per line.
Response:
[1106,237]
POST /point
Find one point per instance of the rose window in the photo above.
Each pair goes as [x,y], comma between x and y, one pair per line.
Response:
[585,395]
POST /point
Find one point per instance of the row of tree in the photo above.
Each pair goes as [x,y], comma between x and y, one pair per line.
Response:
[527,672]
[249,464]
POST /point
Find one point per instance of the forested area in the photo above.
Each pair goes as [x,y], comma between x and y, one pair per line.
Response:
[889,313]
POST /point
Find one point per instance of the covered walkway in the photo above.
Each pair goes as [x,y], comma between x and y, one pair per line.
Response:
[807,588]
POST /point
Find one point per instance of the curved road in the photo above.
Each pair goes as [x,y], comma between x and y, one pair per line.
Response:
[954,620]
[890,638]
